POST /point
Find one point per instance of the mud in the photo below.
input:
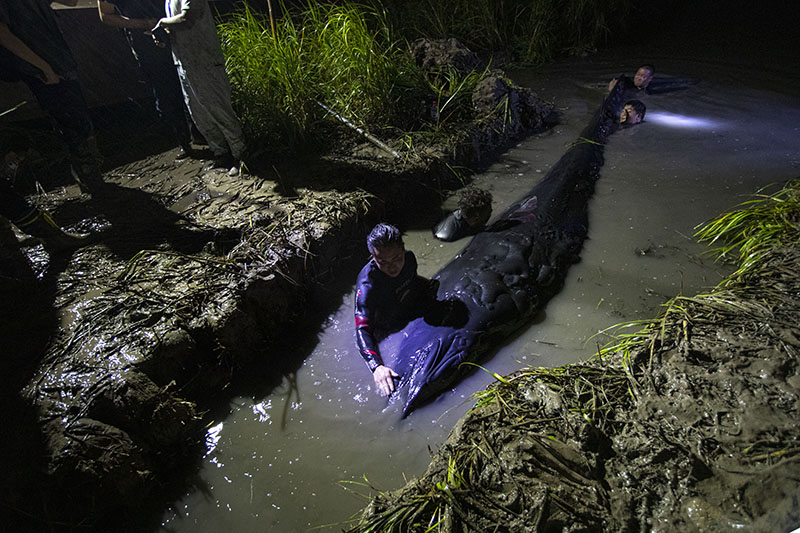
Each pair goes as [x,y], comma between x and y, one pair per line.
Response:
[196,279]
[690,426]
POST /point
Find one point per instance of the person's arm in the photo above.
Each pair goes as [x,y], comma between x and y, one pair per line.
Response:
[186,18]
[109,16]
[382,375]
[14,44]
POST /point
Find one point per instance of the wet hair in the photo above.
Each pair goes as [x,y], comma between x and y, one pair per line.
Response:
[473,199]
[638,106]
[383,235]
[647,66]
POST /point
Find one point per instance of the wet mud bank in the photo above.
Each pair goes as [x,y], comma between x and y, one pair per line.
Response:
[688,423]
[196,279]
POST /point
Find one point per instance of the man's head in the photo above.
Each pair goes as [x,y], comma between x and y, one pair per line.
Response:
[476,206]
[643,76]
[385,243]
[632,112]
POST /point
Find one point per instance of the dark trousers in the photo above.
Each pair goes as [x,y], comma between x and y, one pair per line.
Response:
[13,206]
[65,104]
[160,73]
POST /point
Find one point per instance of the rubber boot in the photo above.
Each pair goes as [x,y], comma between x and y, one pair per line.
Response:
[55,239]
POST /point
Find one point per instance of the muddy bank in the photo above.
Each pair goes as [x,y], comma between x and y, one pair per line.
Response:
[687,424]
[196,279]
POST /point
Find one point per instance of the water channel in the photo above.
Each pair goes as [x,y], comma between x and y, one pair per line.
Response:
[298,457]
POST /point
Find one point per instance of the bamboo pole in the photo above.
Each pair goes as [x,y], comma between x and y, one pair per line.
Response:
[271,19]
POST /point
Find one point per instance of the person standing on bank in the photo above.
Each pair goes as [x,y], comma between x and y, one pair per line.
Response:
[206,88]
[135,18]
[33,50]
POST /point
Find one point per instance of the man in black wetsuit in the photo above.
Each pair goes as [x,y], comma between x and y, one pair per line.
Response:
[474,210]
[389,293]
[632,113]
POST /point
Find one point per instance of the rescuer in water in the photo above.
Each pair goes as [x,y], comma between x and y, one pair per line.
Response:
[389,293]
[632,113]
[640,83]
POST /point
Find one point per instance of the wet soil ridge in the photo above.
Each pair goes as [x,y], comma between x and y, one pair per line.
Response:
[145,340]
[688,424]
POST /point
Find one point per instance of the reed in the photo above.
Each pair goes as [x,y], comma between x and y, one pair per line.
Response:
[747,234]
[340,54]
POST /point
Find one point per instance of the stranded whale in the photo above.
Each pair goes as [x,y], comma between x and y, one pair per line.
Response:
[507,273]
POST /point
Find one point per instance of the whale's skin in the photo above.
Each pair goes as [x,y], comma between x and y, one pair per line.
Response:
[507,273]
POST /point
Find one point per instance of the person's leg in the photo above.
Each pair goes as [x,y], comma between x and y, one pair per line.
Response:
[159,71]
[13,206]
[224,114]
[66,105]
[201,111]
[35,222]
[213,89]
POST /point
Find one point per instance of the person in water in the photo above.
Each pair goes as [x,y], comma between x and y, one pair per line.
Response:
[389,293]
[632,113]
[640,82]
[474,210]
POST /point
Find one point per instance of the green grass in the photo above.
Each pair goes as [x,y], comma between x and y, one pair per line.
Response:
[748,233]
[342,55]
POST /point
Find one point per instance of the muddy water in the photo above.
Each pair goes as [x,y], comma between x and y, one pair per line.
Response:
[299,457]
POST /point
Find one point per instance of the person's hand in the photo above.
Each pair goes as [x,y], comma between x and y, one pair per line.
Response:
[384,379]
[612,84]
[157,32]
[156,40]
[49,77]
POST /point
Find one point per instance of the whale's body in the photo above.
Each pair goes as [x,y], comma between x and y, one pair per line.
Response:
[507,273]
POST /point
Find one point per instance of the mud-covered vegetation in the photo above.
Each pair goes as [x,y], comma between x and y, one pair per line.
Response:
[687,422]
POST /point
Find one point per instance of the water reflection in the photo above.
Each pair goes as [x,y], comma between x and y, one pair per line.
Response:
[212,437]
[675,120]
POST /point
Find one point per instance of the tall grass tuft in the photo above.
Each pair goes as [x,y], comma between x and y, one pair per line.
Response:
[271,82]
[340,54]
[748,233]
